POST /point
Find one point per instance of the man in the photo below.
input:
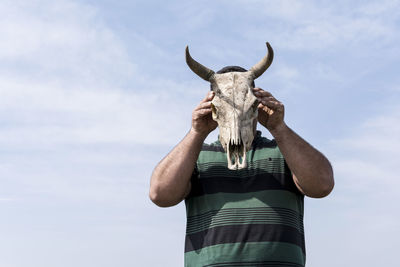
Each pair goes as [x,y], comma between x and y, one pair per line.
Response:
[249,217]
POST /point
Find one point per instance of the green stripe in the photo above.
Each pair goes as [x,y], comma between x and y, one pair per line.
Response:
[243,216]
[244,212]
[260,154]
[236,252]
[263,153]
[258,167]
[245,222]
[206,156]
[266,198]
[252,164]
[255,264]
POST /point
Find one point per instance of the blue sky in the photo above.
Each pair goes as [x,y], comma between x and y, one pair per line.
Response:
[94,93]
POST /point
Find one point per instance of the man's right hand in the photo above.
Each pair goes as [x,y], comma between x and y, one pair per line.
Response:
[202,122]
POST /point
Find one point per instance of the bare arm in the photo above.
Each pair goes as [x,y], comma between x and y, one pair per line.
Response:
[312,172]
[170,181]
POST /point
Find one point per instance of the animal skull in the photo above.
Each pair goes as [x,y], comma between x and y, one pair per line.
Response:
[234,106]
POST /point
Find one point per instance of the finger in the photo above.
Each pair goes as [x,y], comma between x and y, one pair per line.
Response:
[209,97]
[202,112]
[265,109]
[204,105]
[262,93]
[275,105]
[267,98]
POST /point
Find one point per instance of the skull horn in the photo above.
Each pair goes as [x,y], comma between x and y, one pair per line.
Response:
[264,63]
[197,68]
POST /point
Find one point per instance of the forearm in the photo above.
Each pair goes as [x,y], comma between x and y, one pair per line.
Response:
[312,170]
[171,177]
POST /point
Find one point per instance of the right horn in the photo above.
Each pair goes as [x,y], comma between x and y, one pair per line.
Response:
[197,68]
[264,63]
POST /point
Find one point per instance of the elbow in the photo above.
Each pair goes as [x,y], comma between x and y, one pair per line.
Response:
[325,188]
[323,192]
[329,184]
[327,181]
[159,199]
[154,197]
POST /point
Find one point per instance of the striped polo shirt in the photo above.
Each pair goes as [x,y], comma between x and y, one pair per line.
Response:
[247,217]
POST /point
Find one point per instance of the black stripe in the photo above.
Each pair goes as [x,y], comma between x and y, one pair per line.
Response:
[281,211]
[263,214]
[260,165]
[228,212]
[266,181]
[244,233]
[257,144]
[260,143]
[256,263]
[212,147]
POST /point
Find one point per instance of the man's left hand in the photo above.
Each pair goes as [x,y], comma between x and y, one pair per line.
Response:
[271,112]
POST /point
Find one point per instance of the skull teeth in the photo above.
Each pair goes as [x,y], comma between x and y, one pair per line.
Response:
[236,154]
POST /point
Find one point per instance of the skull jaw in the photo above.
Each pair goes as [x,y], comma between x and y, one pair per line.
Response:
[236,148]
[236,156]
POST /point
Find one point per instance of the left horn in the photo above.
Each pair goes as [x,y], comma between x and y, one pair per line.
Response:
[197,68]
[264,63]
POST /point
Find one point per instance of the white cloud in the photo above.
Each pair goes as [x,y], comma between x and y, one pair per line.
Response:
[82,122]
[79,119]
[68,78]
[59,40]
[40,114]
[359,216]
[287,72]
[379,8]
[313,25]
[372,151]
[365,166]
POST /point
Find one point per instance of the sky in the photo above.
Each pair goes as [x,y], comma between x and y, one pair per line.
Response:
[93,94]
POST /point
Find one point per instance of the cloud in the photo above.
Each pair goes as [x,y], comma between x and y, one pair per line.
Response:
[365,164]
[368,158]
[57,114]
[72,80]
[380,8]
[313,25]
[80,121]
[60,41]
[86,112]
[361,208]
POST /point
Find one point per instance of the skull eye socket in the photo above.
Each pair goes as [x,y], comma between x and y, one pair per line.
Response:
[216,90]
[214,112]
[255,105]
[213,108]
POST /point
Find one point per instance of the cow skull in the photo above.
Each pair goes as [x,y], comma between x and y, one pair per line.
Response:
[234,106]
